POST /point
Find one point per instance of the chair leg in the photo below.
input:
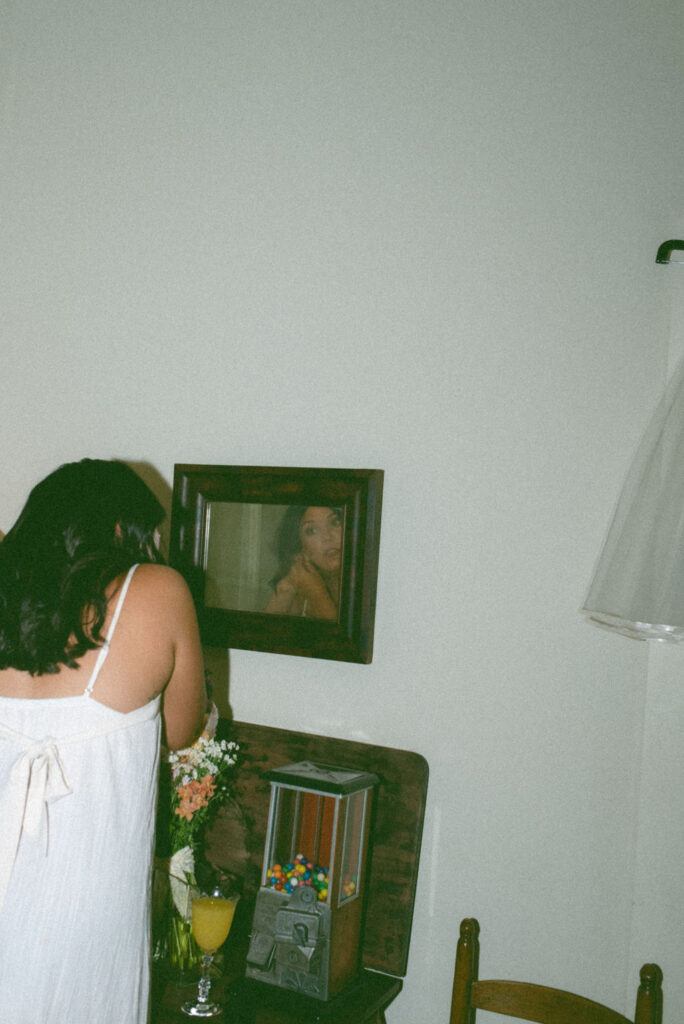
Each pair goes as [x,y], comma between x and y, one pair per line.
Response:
[649,1006]
[465,972]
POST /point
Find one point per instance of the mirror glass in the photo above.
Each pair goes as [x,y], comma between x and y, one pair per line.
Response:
[276,559]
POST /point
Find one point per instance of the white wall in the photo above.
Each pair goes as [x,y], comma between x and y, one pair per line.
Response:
[414,236]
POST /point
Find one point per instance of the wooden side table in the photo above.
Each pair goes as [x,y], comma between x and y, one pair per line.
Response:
[236,845]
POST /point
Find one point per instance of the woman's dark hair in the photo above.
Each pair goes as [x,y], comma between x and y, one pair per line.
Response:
[288,540]
[81,527]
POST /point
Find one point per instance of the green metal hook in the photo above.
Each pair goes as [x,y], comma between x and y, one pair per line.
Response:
[664,254]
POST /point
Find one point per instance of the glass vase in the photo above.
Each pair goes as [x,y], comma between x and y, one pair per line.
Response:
[174,949]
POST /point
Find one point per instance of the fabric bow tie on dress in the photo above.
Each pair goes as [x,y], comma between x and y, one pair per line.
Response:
[36,780]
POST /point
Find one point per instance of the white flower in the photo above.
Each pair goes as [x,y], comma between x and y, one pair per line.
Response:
[193,755]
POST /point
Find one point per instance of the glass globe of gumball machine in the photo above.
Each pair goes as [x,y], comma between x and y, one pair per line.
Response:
[306,931]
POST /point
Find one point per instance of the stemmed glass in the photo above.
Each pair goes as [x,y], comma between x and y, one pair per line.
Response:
[212,916]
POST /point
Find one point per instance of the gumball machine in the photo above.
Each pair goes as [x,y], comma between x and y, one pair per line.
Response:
[306,931]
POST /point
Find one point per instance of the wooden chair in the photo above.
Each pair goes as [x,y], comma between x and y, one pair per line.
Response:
[537,1002]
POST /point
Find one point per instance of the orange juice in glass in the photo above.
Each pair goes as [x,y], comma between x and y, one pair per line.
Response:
[212,916]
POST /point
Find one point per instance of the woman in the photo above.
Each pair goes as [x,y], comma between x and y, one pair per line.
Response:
[310,555]
[98,644]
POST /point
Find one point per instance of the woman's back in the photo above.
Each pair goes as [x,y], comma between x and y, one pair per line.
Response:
[156,650]
[79,757]
[74,927]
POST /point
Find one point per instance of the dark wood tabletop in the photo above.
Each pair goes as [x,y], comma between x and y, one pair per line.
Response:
[246,1001]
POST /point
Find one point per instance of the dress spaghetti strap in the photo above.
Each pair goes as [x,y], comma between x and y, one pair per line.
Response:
[104,650]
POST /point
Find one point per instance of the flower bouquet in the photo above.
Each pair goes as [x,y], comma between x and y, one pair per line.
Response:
[193,786]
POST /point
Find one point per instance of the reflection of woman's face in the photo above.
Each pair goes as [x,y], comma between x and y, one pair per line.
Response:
[320,532]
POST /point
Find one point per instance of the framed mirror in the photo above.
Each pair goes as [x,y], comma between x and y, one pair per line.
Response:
[280,559]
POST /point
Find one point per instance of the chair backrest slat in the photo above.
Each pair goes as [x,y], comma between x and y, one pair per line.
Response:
[541,1004]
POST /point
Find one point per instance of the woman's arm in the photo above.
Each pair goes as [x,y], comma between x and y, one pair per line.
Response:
[281,602]
[311,589]
[302,591]
[185,698]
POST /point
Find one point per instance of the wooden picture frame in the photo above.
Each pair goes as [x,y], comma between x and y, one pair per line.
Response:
[229,538]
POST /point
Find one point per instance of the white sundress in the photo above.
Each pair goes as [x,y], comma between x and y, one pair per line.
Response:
[78,788]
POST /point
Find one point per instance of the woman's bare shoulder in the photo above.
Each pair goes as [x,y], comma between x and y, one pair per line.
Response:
[154,574]
[161,585]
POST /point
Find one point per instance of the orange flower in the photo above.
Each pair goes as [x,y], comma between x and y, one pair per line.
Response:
[195,796]
[184,811]
[207,787]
